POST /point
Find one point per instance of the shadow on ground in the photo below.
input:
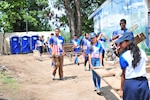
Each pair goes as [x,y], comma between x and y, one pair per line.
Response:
[108,94]
[70,77]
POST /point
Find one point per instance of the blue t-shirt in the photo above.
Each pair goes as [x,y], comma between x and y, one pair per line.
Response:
[95,50]
[57,43]
[85,43]
[120,32]
[76,42]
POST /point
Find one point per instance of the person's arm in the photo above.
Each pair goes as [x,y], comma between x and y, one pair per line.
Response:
[63,45]
[122,83]
[115,37]
[104,36]
[51,45]
[90,61]
[89,55]
[101,57]
[123,63]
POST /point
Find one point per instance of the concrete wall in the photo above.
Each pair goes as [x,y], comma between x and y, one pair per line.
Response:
[134,11]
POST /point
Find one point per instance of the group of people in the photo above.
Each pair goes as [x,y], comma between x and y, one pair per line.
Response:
[134,84]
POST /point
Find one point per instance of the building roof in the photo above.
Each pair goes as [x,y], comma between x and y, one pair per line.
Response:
[99,9]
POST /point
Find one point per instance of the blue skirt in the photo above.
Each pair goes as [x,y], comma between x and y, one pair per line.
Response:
[136,89]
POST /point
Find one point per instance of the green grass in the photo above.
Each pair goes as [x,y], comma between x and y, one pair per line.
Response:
[7,83]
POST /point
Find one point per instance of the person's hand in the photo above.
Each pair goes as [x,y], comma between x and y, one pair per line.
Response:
[91,66]
[120,93]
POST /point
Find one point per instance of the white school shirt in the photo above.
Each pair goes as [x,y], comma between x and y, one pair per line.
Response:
[126,63]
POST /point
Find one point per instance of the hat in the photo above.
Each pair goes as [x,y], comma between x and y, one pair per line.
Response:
[92,35]
[125,36]
[123,21]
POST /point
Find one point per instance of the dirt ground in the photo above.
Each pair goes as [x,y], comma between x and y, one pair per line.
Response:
[34,82]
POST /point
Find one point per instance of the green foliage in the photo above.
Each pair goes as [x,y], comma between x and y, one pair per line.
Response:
[15,13]
[87,8]
[66,36]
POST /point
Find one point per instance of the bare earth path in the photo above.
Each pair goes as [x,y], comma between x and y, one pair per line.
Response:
[34,81]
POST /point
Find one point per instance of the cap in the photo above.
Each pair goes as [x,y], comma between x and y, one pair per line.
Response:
[125,36]
[92,35]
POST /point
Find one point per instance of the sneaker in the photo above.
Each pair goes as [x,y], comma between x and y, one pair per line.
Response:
[53,77]
[99,92]
[40,59]
[95,89]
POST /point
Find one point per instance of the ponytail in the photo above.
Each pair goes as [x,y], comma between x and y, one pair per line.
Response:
[135,51]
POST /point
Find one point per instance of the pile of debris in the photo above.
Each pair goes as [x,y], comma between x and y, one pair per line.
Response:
[110,55]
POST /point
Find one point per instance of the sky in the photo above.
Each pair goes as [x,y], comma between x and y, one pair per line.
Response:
[56,11]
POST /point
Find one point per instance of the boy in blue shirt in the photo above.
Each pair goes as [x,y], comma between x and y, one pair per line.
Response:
[56,45]
[76,48]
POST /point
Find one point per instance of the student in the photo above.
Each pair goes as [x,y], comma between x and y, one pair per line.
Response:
[121,31]
[84,44]
[102,39]
[134,84]
[50,51]
[76,48]
[39,47]
[56,44]
[95,58]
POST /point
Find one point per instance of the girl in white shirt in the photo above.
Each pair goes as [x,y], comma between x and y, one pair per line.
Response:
[134,84]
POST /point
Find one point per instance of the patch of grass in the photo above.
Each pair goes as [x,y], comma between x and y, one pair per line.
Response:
[8,82]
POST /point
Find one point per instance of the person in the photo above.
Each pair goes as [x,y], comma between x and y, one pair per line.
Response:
[84,44]
[39,47]
[134,84]
[123,29]
[94,52]
[56,44]
[47,47]
[76,48]
[102,39]
[50,51]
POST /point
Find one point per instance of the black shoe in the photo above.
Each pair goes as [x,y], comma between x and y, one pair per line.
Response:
[78,64]
[61,79]
[99,92]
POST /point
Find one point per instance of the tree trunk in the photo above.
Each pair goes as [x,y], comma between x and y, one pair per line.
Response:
[70,13]
[78,17]
[74,16]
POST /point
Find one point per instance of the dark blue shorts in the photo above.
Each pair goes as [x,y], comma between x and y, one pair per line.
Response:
[136,89]
[40,49]
[76,50]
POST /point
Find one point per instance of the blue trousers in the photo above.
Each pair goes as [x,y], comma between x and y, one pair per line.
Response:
[96,80]
[95,77]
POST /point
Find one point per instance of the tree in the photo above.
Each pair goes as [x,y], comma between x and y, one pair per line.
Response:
[77,12]
[15,13]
